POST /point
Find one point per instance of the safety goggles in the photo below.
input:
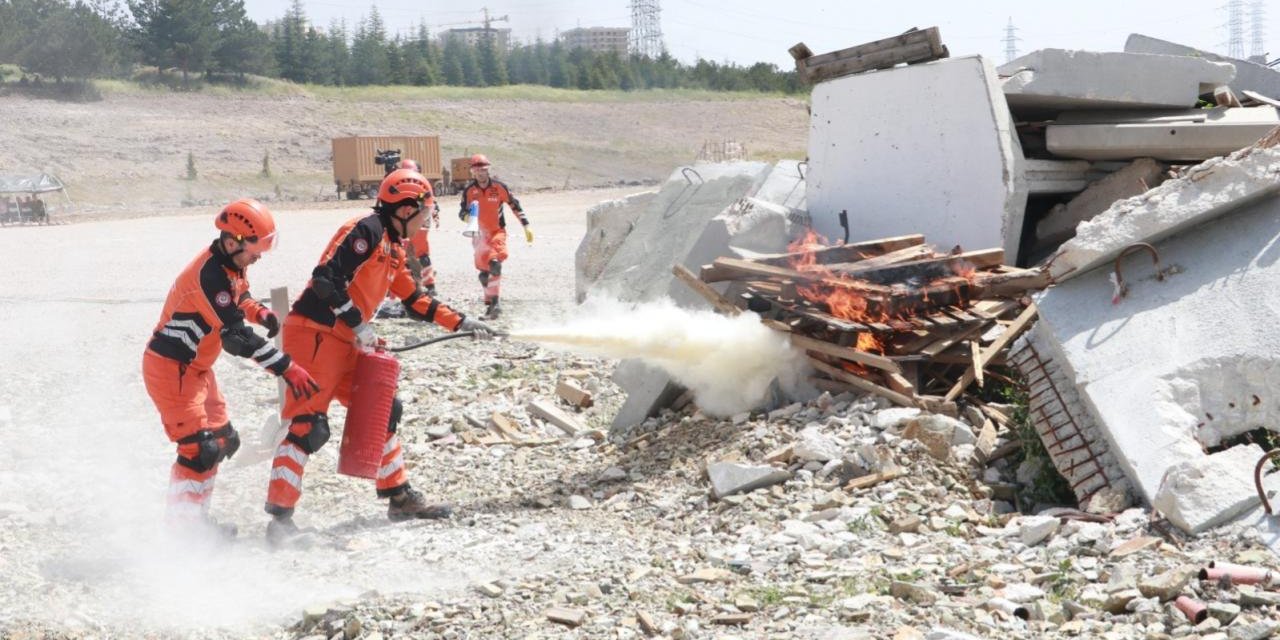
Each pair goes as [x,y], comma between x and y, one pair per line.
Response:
[261,244]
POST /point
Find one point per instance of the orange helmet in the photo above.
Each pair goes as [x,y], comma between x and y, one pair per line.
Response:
[249,221]
[478,160]
[409,164]
[405,184]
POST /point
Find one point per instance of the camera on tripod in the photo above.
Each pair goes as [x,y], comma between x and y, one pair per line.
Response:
[389,159]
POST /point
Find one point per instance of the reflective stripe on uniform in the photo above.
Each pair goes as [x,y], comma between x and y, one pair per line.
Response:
[392,443]
[180,335]
[288,475]
[189,325]
[390,468]
[291,451]
[192,487]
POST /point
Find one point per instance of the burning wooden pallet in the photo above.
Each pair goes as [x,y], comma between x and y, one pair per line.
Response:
[891,317]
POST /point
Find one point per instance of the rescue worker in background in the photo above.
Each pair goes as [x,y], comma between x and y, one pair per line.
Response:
[491,241]
[329,325]
[205,312]
[419,249]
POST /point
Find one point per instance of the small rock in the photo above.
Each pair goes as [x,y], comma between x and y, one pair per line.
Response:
[613,474]
[913,592]
[1134,545]
[569,617]
[578,503]
[1253,597]
[1034,529]
[732,619]
[706,575]
[728,478]
[746,603]
[814,445]
[490,589]
[1256,631]
[1225,612]
[351,630]
[437,431]
[892,418]
[1165,586]
[905,524]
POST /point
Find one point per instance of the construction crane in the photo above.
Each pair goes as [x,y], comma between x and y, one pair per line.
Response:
[487,21]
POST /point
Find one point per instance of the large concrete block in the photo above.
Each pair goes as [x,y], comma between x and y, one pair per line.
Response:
[1188,135]
[1056,176]
[1208,190]
[941,159]
[1049,81]
[1136,178]
[608,224]
[1249,75]
[1186,362]
[1203,493]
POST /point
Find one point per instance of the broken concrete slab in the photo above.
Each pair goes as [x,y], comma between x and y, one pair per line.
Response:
[1050,81]
[1190,135]
[679,228]
[1207,491]
[944,160]
[1249,75]
[728,478]
[784,186]
[1207,190]
[608,224]
[1183,363]
[1136,178]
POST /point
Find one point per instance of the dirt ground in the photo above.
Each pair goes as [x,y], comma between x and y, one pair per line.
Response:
[129,151]
[83,459]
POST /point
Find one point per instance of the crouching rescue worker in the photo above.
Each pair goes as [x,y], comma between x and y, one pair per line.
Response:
[329,325]
[204,313]
[490,242]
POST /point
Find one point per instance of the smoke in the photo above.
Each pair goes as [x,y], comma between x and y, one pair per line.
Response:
[728,362]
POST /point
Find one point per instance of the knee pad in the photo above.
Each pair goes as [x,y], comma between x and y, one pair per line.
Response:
[397,410]
[212,446]
[484,278]
[316,435]
[424,260]
[495,267]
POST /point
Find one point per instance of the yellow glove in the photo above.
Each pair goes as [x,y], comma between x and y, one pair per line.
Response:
[528,235]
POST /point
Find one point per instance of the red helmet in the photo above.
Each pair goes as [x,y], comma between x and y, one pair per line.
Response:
[409,164]
[249,221]
[405,184]
[478,160]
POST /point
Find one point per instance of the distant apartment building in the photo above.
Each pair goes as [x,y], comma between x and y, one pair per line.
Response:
[597,39]
[475,35]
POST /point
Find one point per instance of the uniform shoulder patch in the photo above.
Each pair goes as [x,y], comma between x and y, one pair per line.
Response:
[223,298]
[361,246]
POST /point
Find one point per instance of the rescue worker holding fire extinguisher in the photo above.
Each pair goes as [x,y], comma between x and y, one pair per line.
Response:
[483,199]
[204,313]
[328,327]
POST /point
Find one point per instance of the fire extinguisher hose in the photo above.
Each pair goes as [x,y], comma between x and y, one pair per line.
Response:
[447,336]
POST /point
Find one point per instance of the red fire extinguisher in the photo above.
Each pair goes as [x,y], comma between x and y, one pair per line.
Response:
[373,390]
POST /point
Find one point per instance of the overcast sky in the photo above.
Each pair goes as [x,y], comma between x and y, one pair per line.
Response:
[748,31]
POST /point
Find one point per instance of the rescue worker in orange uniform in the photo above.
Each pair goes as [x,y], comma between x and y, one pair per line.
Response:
[491,241]
[205,313]
[419,246]
[329,325]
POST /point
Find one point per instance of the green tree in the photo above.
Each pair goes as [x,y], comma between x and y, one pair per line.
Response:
[369,63]
[70,41]
[242,47]
[338,58]
[493,69]
[175,33]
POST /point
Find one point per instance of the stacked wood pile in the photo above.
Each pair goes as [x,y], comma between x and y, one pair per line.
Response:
[891,316]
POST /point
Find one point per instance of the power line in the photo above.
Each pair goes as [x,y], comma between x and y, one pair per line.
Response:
[1258,31]
[1235,29]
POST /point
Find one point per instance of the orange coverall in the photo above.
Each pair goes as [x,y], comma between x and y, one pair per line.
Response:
[363,261]
[209,300]
[491,242]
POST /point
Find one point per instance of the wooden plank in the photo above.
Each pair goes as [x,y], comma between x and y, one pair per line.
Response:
[280,307]
[862,384]
[928,269]
[845,252]
[910,36]
[571,391]
[845,353]
[1010,284]
[976,354]
[908,254]
[909,54]
[899,383]
[932,350]
[556,416]
[701,288]
[506,427]
[873,479]
[735,268]
[1019,325]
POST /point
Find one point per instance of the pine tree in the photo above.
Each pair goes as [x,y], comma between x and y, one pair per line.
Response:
[191,166]
[493,70]
[175,33]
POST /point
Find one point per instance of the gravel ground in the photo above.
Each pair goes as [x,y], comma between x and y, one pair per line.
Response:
[588,536]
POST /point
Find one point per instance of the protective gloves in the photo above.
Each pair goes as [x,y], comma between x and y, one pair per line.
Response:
[528,234]
[268,320]
[483,331]
[300,382]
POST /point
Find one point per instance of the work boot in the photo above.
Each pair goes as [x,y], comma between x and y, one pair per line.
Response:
[492,310]
[430,290]
[411,504]
[282,533]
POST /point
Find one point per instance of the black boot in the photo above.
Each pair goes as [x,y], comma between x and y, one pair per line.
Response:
[411,504]
[492,309]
